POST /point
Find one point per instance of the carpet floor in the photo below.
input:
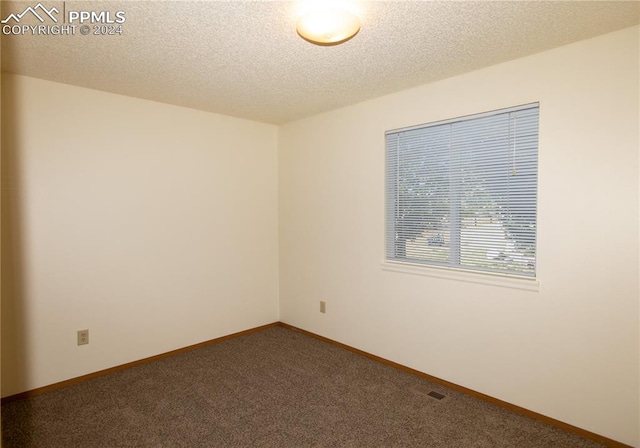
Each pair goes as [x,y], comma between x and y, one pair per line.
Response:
[272,388]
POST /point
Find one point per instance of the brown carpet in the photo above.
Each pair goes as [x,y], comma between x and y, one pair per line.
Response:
[273,388]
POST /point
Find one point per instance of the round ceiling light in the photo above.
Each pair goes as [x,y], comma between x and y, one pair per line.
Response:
[328,26]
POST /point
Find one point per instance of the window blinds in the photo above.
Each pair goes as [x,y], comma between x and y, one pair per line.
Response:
[463,193]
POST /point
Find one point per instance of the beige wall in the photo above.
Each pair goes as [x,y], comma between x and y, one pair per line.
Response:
[568,351]
[151,225]
[0,241]
[137,220]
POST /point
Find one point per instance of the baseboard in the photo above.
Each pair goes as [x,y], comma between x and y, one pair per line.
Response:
[520,410]
[504,404]
[80,379]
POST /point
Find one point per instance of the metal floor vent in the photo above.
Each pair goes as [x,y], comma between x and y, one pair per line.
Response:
[436,395]
[424,390]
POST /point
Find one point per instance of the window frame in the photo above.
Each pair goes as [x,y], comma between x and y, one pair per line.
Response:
[459,272]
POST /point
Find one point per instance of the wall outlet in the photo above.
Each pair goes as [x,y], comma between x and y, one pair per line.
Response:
[323,307]
[83,337]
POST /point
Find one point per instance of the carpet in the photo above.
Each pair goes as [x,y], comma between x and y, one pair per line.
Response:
[273,388]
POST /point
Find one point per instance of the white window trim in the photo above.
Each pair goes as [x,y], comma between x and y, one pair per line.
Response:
[527,283]
[504,281]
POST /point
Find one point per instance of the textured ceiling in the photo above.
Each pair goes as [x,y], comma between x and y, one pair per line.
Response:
[244,58]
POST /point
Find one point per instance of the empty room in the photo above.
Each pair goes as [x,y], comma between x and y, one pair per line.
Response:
[320,223]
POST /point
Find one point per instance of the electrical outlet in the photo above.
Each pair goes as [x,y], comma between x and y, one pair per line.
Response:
[83,337]
[323,307]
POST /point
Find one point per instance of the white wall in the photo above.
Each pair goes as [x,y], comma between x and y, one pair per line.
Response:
[151,225]
[1,171]
[137,220]
[569,351]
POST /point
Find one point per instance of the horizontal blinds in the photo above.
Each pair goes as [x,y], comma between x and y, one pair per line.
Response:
[464,193]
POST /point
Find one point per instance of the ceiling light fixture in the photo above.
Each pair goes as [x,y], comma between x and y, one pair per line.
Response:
[331,26]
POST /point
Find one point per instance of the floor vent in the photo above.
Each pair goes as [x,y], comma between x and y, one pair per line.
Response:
[424,390]
[436,395]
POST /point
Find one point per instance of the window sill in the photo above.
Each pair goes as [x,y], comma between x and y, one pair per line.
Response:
[504,281]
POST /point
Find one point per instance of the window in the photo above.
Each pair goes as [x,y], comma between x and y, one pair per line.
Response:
[462,193]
